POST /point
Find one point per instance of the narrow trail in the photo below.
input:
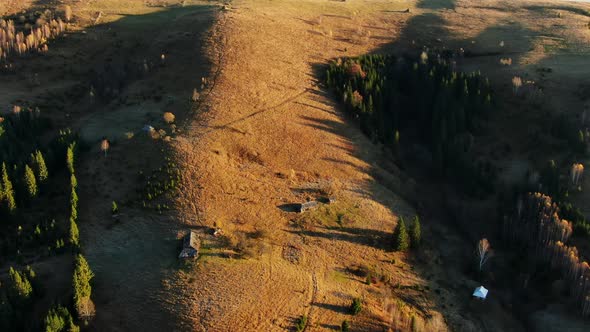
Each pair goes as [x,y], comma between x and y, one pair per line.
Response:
[312,299]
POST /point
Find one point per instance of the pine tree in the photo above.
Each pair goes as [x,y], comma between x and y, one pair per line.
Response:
[59,319]
[345,327]
[42,172]
[400,235]
[74,232]
[356,306]
[8,191]
[20,286]
[31,181]
[73,181]
[415,233]
[81,285]
[70,157]
[74,199]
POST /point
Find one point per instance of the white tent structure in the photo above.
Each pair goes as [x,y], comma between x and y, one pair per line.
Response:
[480,292]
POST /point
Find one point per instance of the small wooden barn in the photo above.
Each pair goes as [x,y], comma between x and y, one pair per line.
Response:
[190,246]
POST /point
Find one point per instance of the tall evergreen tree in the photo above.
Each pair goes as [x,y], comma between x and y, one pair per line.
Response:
[73,181]
[415,232]
[59,319]
[42,172]
[70,158]
[31,181]
[74,199]
[400,236]
[81,285]
[74,233]
[8,191]
[20,286]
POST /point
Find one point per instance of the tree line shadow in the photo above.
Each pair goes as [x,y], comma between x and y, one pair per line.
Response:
[360,236]
[428,30]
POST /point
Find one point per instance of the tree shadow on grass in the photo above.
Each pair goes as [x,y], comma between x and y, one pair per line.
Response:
[133,260]
[360,236]
[428,30]
[333,307]
[436,4]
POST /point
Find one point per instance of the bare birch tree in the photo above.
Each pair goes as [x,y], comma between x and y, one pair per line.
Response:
[484,252]
[104,146]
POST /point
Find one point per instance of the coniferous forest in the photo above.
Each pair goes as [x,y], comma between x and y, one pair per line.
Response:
[38,218]
[400,101]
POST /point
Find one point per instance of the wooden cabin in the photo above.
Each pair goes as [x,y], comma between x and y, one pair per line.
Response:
[190,246]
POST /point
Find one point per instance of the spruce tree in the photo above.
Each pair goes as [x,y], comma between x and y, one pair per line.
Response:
[81,284]
[345,327]
[74,232]
[415,233]
[70,158]
[8,191]
[31,181]
[73,181]
[42,172]
[400,236]
[59,319]
[20,286]
[356,306]
[74,199]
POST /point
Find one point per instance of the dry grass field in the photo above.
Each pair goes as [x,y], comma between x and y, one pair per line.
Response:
[264,134]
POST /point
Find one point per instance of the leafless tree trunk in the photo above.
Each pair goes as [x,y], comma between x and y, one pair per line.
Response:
[484,252]
[104,146]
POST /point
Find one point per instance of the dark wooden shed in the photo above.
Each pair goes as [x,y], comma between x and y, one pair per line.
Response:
[307,206]
[190,246]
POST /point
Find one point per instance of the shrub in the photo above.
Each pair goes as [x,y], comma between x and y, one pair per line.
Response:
[345,327]
[356,306]
[400,236]
[301,323]
[114,208]
[168,117]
